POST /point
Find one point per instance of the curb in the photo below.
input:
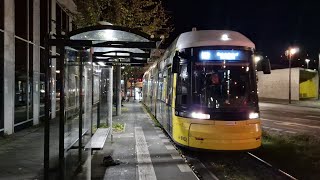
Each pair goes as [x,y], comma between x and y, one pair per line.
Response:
[296,105]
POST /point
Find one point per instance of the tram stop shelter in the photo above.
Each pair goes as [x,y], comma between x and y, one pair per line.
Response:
[86,58]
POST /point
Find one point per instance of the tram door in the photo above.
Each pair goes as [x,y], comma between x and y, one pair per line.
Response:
[169,100]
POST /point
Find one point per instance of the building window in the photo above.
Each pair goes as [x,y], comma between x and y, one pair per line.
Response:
[23,64]
[58,19]
[44,26]
[43,21]
[30,46]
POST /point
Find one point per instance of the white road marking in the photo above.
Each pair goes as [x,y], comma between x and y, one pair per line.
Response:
[169,147]
[286,123]
[291,132]
[318,117]
[283,123]
[176,156]
[184,168]
[264,119]
[145,166]
[275,129]
[161,135]
[165,140]
[282,130]
[303,119]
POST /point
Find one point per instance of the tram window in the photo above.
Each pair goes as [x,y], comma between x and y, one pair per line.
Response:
[160,86]
[183,85]
[183,80]
[164,85]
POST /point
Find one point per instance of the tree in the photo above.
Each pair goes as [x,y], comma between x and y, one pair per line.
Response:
[148,16]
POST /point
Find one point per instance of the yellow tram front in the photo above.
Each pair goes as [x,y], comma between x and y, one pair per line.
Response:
[215,100]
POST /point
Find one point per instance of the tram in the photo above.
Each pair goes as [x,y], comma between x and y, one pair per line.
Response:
[203,91]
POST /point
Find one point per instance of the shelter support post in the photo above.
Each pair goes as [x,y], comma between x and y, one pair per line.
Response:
[118,90]
[109,99]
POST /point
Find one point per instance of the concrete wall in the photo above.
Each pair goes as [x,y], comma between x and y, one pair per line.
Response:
[276,84]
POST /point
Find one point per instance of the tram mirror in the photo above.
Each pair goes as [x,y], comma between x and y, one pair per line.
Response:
[266,67]
[175,63]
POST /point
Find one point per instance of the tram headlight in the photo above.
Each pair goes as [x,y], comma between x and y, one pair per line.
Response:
[199,115]
[254,115]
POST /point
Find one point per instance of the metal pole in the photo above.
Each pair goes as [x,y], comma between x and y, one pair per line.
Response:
[81,95]
[47,59]
[134,89]
[289,78]
[99,95]
[118,81]
[62,112]
[28,63]
[109,98]
[47,110]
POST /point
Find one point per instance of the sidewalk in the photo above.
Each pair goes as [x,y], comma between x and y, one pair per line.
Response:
[301,103]
[21,154]
[144,151]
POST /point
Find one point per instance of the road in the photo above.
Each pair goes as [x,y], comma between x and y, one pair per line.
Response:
[290,119]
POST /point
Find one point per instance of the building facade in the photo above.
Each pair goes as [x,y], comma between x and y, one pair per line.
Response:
[23,27]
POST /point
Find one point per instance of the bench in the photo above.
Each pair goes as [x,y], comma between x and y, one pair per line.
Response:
[98,140]
[72,138]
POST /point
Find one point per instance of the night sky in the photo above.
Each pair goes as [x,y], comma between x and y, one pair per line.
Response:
[272,25]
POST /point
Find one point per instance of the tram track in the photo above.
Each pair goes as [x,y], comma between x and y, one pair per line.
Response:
[233,165]
[271,166]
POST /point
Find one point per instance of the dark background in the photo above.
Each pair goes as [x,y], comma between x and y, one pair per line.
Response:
[272,25]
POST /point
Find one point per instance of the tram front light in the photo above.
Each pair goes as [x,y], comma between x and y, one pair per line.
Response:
[254,115]
[198,115]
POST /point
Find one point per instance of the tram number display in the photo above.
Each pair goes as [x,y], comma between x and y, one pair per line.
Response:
[183,138]
[231,123]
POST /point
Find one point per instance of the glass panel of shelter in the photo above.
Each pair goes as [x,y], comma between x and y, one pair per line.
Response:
[78,83]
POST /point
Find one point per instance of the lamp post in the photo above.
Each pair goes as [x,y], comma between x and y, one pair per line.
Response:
[307,61]
[290,52]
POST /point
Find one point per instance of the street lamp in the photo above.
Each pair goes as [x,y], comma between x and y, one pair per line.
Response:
[307,61]
[289,53]
[257,59]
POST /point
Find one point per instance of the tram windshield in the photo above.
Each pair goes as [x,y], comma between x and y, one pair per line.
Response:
[218,86]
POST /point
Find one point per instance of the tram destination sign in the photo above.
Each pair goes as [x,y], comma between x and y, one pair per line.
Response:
[223,55]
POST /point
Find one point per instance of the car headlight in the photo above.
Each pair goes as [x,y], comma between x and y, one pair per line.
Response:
[199,115]
[195,115]
[254,115]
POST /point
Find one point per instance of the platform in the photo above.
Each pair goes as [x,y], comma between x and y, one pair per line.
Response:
[144,151]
